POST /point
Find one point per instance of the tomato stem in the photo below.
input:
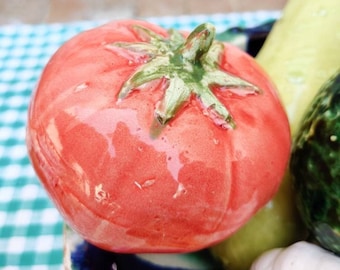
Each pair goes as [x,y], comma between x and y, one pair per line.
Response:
[191,66]
[198,43]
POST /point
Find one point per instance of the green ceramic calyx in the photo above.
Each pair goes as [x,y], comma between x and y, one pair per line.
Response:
[190,66]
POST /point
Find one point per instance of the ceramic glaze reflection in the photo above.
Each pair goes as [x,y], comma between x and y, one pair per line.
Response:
[128,117]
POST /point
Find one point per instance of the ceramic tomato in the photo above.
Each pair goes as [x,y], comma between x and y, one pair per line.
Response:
[149,140]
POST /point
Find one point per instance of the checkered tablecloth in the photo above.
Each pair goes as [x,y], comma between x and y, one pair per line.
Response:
[30,227]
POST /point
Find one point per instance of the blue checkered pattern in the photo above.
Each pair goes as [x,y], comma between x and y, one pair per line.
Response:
[31,235]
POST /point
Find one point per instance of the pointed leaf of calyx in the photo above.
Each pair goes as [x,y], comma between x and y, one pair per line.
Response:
[152,70]
[173,100]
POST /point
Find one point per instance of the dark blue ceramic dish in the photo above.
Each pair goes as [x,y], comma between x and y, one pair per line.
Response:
[89,257]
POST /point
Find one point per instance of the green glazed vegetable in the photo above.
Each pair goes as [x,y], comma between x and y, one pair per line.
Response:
[315,166]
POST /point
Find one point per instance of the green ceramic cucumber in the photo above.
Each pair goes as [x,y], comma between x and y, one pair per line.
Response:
[315,166]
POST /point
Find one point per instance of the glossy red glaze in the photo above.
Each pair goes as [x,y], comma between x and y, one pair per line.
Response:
[126,190]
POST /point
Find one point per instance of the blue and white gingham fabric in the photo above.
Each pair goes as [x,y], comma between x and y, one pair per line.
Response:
[31,235]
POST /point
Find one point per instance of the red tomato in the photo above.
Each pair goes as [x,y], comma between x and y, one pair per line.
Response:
[129,183]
